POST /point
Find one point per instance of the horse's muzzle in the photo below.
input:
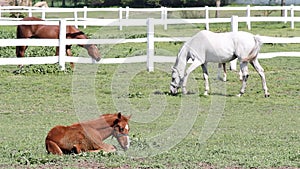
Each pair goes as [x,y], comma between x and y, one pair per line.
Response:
[98,59]
[173,90]
[173,93]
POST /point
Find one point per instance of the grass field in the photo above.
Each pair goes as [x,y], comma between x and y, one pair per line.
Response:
[252,131]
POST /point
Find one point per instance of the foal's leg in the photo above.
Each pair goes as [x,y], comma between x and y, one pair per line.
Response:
[244,70]
[260,71]
[104,147]
[192,67]
[97,147]
[53,148]
[205,76]
[20,52]
[69,53]
[97,143]
[57,51]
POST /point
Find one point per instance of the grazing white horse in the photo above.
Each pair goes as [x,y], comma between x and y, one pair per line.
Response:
[207,46]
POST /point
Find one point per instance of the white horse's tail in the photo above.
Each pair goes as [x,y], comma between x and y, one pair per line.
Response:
[254,52]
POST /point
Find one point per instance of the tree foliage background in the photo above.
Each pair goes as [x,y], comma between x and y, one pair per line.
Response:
[133,3]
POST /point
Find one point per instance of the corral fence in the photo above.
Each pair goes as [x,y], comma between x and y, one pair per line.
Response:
[249,13]
[150,59]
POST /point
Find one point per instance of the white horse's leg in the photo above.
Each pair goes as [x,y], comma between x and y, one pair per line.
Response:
[233,64]
[205,76]
[260,71]
[220,66]
[224,72]
[241,75]
[219,71]
[244,70]
[192,67]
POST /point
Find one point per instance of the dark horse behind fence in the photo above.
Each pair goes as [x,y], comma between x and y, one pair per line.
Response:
[88,136]
[52,32]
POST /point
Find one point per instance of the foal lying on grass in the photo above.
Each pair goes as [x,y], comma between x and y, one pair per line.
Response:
[88,136]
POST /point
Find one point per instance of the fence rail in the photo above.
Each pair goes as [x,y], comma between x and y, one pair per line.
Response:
[150,59]
[288,13]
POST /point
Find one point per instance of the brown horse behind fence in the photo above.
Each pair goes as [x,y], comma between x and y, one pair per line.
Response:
[52,32]
[88,136]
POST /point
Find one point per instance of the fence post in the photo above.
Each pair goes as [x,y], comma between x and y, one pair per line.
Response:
[165,17]
[62,44]
[234,28]
[292,17]
[150,44]
[127,12]
[75,17]
[207,17]
[285,14]
[0,12]
[29,12]
[84,15]
[234,23]
[120,18]
[43,12]
[162,13]
[248,13]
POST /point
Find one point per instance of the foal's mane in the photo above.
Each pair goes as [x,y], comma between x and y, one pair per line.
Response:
[75,34]
[108,120]
[114,117]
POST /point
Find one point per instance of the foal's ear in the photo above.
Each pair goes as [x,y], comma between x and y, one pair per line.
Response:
[128,117]
[119,115]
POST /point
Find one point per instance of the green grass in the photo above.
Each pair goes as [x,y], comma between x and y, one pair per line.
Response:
[253,131]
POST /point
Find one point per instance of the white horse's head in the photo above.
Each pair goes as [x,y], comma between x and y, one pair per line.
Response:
[175,83]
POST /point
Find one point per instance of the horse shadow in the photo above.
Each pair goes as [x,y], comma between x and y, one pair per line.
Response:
[179,94]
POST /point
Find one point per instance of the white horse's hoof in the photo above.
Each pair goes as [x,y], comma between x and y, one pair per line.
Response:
[267,95]
[224,78]
[219,77]
[205,93]
[184,91]
[239,95]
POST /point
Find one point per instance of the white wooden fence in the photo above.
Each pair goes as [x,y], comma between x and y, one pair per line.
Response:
[149,58]
[289,13]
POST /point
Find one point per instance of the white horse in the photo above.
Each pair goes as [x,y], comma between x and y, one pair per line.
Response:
[207,46]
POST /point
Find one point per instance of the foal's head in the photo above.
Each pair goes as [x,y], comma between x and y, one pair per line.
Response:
[92,49]
[121,130]
[93,52]
[175,83]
